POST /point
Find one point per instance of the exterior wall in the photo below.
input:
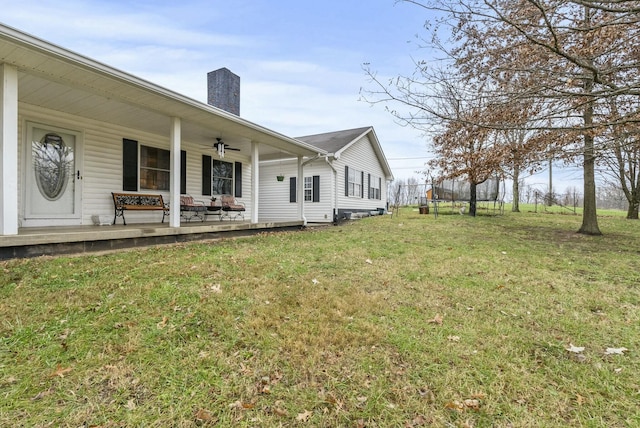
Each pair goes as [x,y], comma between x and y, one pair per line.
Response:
[274,195]
[102,163]
[361,156]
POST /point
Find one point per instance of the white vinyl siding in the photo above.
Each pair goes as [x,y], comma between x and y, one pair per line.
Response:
[360,156]
[274,195]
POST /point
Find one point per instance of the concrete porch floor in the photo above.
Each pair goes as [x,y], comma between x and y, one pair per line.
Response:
[40,241]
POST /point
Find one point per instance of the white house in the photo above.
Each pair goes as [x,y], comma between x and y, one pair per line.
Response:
[352,177]
[73,130]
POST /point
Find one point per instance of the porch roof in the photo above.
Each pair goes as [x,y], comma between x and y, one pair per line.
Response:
[52,77]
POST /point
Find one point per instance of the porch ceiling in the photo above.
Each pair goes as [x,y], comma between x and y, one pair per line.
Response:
[60,80]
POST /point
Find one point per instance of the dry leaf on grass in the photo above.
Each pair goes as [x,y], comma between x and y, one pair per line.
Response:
[304,416]
[614,351]
[160,325]
[454,405]
[461,406]
[436,320]
[60,371]
[203,415]
[575,349]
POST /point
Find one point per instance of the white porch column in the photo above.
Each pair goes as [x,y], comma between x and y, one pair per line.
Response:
[300,191]
[8,150]
[174,159]
[255,180]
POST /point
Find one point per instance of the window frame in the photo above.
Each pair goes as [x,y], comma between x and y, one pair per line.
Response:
[152,168]
[228,179]
[354,181]
[308,189]
[374,187]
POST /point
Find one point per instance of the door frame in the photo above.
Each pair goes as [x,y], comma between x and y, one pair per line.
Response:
[38,220]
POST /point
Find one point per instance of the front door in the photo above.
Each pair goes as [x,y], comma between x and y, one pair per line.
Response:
[53,177]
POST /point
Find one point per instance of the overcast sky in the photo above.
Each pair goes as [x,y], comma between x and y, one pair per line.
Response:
[299,61]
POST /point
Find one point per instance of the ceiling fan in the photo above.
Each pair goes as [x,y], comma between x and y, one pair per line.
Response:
[221,147]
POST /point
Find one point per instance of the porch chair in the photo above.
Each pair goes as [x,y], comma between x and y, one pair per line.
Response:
[190,208]
[231,205]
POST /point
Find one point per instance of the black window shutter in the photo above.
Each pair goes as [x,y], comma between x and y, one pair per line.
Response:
[183,171]
[206,175]
[362,184]
[380,188]
[316,188]
[292,189]
[369,186]
[129,165]
[238,180]
[346,180]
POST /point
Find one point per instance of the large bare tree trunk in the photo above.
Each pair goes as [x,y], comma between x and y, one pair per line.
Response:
[515,207]
[473,199]
[634,203]
[589,215]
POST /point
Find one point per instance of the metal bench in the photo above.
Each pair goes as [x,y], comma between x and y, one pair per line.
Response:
[137,202]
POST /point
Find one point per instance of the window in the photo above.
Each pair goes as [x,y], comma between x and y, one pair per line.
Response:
[308,188]
[374,187]
[222,182]
[154,168]
[355,183]
[311,189]
[221,178]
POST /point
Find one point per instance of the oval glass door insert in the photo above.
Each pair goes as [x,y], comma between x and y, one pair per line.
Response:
[51,162]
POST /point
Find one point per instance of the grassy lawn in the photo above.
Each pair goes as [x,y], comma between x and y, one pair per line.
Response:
[400,321]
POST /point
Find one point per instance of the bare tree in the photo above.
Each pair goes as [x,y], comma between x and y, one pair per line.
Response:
[571,56]
[622,157]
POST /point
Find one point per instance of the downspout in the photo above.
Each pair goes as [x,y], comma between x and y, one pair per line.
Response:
[334,204]
[300,195]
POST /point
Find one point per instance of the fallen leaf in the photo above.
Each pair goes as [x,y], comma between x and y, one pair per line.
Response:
[304,416]
[429,396]
[368,261]
[575,349]
[453,338]
[454,405]
[203,415]
[40,395]
[215,288]
[436,320]
[418,421]
[472,404]
[280,412]
[131,405]
[315,281]
[60,371]
[613,351]
[579,399]
[160,325]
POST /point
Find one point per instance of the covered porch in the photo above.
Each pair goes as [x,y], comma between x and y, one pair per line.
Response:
[61,240]
[111,131]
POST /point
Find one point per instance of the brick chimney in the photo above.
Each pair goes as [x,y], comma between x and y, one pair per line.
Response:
[223,90]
